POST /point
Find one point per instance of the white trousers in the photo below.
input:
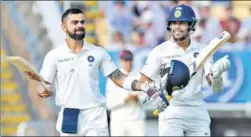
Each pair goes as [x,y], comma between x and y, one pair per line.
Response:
[184,121]
[128,128]
[91,122]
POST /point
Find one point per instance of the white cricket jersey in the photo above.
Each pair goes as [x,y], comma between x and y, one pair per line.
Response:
[76,76]
[120,111]
[161,57]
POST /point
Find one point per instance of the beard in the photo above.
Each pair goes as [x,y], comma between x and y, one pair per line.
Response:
[183,35]
[76,36]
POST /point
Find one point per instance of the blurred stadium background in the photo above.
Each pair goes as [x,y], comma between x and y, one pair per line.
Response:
[31,28]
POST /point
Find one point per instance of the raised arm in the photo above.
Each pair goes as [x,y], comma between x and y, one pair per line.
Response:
[214,73]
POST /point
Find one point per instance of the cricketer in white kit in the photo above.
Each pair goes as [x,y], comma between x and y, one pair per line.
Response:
[127,113]
[186,114]
[73,69]
[76,84]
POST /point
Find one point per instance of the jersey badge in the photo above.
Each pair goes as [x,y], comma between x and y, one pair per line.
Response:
[195,54]
[90,58]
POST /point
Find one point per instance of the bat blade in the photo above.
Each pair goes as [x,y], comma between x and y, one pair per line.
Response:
[24,66]
[209,50]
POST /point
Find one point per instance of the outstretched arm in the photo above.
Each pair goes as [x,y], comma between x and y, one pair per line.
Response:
[117,77]
[124,81]
[130,83]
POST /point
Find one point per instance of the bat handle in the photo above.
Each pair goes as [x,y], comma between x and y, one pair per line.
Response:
[44,85]
[156,112]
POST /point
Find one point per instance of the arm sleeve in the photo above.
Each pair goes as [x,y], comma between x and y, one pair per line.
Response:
[115,96]
[107,65]
[152,64]
[48,69]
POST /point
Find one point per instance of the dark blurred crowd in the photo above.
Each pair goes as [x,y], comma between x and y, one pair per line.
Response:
[142,24]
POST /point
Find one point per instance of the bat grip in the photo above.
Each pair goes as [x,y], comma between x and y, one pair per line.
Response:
[156,112]
[44,85]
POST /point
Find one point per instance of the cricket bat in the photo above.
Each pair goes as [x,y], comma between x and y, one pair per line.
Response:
[24,66]
[209,50]
[206,53]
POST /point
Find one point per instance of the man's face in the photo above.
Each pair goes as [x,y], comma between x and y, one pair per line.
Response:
[126,64]
[74,26]
[233,27]
[117,37]
[179,29]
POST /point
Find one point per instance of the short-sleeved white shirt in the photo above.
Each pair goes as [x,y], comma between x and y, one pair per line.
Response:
[76,76]
[161,57]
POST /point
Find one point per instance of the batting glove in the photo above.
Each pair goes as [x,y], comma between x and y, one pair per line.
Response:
[156,97]
[220,66]
[217,69]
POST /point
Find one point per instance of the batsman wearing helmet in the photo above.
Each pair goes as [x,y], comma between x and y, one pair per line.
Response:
[171,63]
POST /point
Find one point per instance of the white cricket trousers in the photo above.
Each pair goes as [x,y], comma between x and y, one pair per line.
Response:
[184,121]
[128,128]
[91,122]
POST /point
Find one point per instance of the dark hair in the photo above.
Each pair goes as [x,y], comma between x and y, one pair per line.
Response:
[70,11]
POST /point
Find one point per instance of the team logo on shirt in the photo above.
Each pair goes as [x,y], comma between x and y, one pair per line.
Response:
[172,56]
[65,60]
[195,54]
[90,58]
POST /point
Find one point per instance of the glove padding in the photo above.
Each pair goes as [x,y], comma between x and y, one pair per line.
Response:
[217,69]
[156,97]
[220,66]
[161,102]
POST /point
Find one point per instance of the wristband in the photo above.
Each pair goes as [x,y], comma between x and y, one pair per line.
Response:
[127,83]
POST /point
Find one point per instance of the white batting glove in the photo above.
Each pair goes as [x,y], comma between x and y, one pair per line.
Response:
[155,96]
[220,66]
[143,98]
[217,69]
